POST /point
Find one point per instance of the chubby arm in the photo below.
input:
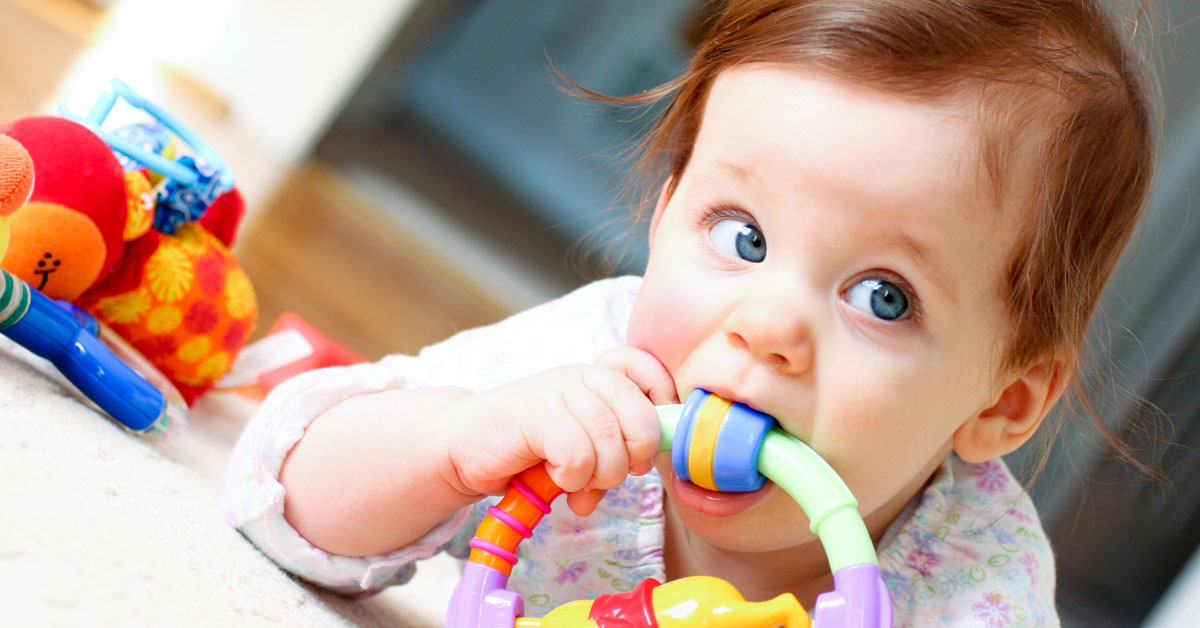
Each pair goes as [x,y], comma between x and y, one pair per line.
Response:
[370,462]
[375,472]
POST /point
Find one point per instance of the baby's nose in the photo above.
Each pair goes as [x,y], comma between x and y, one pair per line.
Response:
[772,332]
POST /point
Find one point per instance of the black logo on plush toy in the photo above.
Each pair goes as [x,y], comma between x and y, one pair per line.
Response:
[46,265]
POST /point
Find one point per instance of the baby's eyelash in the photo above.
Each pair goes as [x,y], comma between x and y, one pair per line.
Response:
[716,212]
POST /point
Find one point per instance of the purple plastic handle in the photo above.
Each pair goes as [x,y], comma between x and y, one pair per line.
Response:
[481,600]
[859,600]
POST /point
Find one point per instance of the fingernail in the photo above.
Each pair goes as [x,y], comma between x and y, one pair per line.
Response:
[642,468]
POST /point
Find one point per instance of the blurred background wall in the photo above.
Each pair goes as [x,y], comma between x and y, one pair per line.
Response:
[413,168]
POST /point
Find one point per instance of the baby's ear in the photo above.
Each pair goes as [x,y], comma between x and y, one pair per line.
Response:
[1015,415]
[664,197]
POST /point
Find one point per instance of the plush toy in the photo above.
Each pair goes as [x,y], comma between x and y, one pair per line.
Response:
[16,181]
[99,364]
[69,235]
[174,291]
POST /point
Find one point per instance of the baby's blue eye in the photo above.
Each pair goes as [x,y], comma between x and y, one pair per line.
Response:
[740,238]
[880,298]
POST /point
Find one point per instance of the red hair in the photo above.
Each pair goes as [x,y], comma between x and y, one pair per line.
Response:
[1054,71]
[1054,83]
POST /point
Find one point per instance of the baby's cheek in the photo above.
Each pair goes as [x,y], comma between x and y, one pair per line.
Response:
[859,426]
[651,329]
[660,321]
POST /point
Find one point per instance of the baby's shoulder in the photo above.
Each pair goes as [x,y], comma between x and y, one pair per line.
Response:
[970,545]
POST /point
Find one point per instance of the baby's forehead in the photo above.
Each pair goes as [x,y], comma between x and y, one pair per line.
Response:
[1008,122]
[880,139]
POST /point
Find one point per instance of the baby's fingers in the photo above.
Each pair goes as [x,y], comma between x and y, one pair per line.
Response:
[596,407]
[567,448]
[643,433]
[583,503]
[642,369]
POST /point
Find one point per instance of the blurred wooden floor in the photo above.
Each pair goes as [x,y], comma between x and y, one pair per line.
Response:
[39,42]
[322,251]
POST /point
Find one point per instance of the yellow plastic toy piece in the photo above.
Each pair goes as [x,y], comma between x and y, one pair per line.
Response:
[704,440]
[694,602]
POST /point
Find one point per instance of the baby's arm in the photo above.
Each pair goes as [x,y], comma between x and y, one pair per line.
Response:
[376,472]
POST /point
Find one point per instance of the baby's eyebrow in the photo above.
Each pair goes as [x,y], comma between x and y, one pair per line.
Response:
[924,263]
[725,171]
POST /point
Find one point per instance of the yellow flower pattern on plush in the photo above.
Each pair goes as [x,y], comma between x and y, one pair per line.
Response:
[213,367]
[192,311]
[169,272]
[195,349]
[194,239]
[163,319]
[139,198]
[239,294]
[126,308]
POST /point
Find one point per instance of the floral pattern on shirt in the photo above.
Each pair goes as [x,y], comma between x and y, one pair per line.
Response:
[972,553]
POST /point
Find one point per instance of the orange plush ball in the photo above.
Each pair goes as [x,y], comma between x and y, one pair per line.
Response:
[16,176]
[16,180]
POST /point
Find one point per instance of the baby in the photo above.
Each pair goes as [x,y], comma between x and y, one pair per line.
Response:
[886,224]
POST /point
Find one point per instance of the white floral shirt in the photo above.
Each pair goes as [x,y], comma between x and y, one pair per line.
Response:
[968,551]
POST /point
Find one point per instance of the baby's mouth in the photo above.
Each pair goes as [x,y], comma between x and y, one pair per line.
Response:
[711,502]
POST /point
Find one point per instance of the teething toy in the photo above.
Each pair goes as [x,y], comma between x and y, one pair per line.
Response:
[718,445]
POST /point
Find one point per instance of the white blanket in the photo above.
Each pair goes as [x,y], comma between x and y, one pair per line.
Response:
[99,527]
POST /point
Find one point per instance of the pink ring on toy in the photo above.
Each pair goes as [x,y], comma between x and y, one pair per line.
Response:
[533,498]
[510,521]
[495,550]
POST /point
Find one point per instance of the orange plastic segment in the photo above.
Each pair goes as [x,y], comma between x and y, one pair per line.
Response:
[495,531]
[515,504]
[522,509]
[538,479]
[704,440]
[491,560]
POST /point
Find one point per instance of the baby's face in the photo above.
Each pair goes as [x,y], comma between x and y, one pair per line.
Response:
[833,257]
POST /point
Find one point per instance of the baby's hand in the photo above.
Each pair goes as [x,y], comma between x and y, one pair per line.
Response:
[593,425]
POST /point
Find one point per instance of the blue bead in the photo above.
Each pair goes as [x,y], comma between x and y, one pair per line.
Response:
[739,441]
